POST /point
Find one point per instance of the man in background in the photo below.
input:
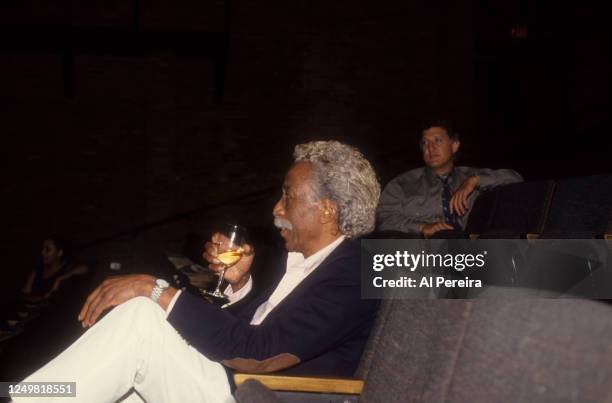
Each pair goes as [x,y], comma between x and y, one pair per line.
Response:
[440,195]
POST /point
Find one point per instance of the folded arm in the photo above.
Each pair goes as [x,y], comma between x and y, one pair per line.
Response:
[481,178]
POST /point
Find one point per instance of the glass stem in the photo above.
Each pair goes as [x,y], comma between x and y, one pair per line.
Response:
[218,289]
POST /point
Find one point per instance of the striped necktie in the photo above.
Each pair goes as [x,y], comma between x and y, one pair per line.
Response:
[451,219]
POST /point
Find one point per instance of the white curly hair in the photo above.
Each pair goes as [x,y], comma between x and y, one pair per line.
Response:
[341,174]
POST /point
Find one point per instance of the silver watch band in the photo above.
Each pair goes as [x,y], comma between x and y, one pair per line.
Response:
[158,289]
[156,293]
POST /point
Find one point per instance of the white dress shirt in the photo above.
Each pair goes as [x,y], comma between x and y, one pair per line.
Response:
[298,268]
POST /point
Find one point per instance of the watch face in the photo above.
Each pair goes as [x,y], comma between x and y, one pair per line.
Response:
[160,282]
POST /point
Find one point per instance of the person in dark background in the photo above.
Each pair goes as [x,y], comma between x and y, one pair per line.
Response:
[313,321]
[440,195]
[56,268]
[40,322]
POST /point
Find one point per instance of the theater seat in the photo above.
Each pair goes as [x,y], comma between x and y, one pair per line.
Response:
[500,348]
[581,208]
[482,212]
[520,209]
[507,212]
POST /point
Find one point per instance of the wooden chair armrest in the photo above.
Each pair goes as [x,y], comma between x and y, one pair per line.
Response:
[346,386]
[608,237]
[532,236]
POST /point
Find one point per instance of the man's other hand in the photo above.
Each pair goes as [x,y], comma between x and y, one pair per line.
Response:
[238,274]
[459,201]
[114,291]
[429,229]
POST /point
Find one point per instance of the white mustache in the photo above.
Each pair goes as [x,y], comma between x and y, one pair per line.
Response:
[281,223]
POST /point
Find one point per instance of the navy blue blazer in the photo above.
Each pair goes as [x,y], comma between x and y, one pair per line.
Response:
[320,328]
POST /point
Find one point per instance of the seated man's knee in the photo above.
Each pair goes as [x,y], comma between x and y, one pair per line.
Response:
[140,307]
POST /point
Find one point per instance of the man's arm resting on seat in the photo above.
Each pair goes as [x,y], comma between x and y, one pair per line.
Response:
[459,202]
[497,177]
[481,178]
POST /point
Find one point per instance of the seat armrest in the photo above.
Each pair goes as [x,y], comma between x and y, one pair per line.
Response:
[347,386]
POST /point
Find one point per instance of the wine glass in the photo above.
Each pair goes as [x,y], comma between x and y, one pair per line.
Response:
[229,252]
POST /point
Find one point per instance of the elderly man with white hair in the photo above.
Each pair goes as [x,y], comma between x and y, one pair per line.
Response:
[171,346]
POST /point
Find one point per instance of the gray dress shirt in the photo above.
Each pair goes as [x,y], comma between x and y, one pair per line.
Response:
[415,197]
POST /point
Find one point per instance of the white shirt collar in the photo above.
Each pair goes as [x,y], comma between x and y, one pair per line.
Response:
[298,269]
[296,260]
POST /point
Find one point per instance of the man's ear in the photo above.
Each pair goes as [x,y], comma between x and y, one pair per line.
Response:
[455,146]
[329,211]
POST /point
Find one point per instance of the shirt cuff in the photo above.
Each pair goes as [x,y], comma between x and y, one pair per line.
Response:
[172,302]
[238,295]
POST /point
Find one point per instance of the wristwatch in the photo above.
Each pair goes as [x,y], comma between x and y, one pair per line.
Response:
[160,287]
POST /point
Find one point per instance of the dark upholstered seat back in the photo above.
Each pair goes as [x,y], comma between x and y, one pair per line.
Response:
[375,335]
[498,349]
[581,205]
[508,211]
[521,208]
[536,351]
[414,356]
[481,213]
[511,210]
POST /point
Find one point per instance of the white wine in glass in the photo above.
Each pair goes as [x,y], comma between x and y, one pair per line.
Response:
[230,257]
[229,253]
